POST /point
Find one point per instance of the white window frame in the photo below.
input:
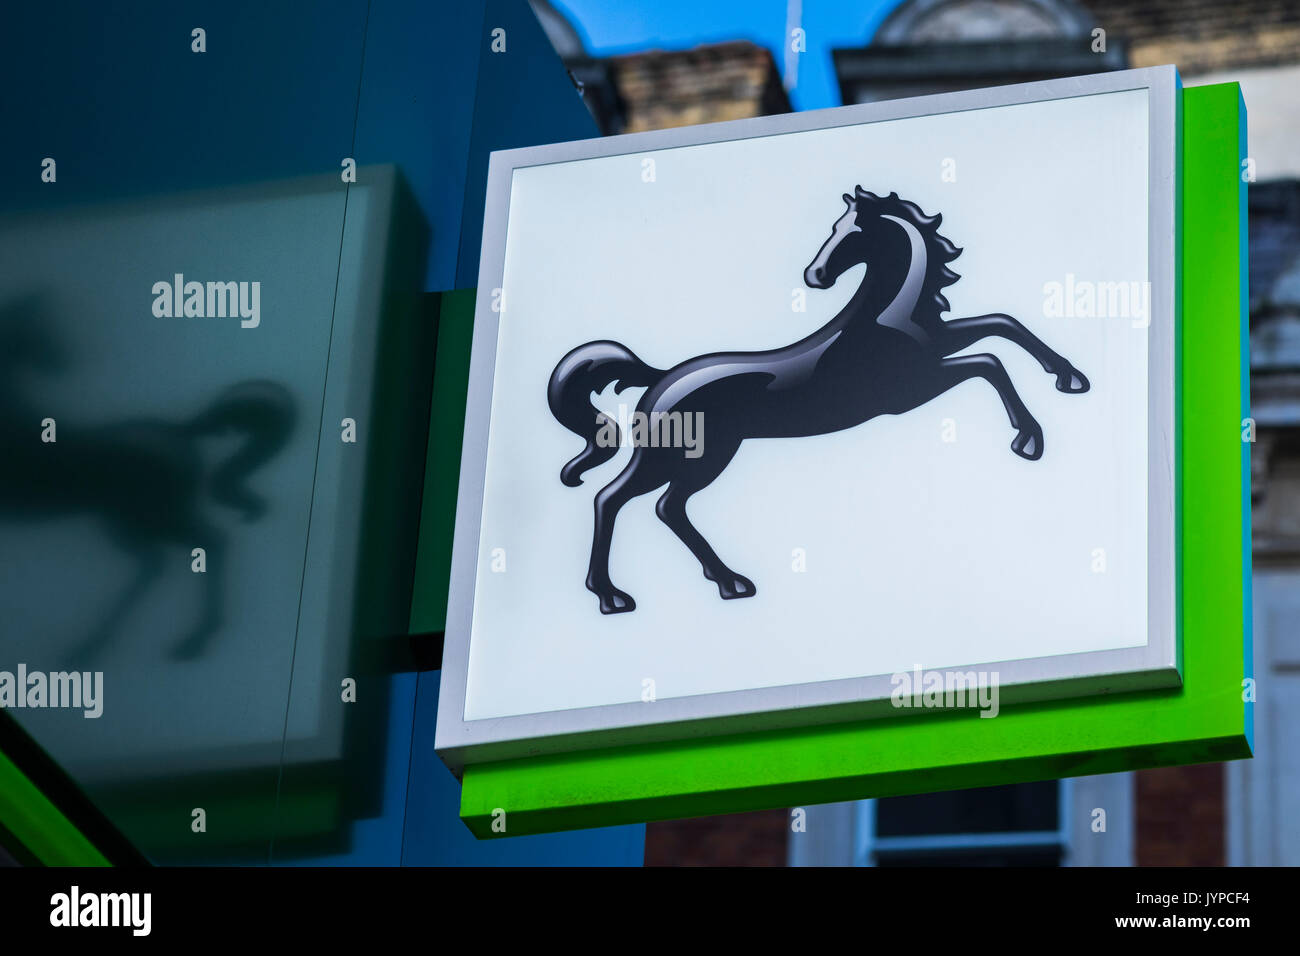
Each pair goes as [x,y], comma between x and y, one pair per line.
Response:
[843,834]
[868,845]
[1258,791]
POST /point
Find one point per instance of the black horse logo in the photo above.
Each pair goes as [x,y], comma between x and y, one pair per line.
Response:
[886,353]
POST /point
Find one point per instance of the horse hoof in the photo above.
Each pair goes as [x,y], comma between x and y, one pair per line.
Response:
[737,586]
[1029,444]
[615,601]
[1072,381]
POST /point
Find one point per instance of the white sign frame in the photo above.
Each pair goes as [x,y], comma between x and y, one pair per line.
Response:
[1155,665]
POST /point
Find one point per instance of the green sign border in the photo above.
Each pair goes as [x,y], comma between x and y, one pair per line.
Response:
[34,829]
[1205,720]
[45,818]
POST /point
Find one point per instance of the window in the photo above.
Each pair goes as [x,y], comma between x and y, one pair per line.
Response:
[1016,825]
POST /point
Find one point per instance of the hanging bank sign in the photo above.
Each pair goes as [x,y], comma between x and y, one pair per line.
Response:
[802,428]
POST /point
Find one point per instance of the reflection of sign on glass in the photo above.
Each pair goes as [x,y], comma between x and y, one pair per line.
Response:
[172,435]
[164,534]
[882,526]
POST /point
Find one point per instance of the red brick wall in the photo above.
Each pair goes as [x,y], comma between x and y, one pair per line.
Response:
[1180,818]
[1179,822]
[739,839]
[707,84]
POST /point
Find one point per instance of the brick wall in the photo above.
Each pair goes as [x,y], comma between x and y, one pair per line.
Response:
[706,84]
[738,839]
[1203,35]
[1179,814]
[1179,822]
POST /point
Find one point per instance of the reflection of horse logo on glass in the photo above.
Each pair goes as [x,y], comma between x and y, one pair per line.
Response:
[148,480]
[887,352]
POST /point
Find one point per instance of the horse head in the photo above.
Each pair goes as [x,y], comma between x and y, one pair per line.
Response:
[867,223]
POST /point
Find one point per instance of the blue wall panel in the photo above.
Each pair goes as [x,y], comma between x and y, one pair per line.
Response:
[524,98]
[114,93]
[417,110]
[435,800]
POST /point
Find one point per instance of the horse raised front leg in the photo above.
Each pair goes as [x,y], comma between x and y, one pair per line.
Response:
[671,509]
[1028,442]
[960,333]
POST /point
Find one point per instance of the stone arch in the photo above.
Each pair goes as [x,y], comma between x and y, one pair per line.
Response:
[948,21]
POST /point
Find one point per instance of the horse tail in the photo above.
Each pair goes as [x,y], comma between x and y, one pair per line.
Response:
[265,413]
[590,368]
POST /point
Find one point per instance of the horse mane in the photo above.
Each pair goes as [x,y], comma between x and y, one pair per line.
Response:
[939,248]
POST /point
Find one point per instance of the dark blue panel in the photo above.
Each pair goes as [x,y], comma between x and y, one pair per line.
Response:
[373,838]
[525,98]
[417,104]
[436,837]
[114,93]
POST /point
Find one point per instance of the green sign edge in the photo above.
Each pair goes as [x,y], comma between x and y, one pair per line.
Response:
[1205,720]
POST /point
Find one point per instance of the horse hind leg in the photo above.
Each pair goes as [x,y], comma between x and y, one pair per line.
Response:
[150,564]
[671,509]
[635,479]
[1028,442]
[213,584]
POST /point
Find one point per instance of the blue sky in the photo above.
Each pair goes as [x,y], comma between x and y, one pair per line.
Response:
[620,26]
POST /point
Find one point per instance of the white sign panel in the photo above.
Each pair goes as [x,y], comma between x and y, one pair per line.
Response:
[766,414]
